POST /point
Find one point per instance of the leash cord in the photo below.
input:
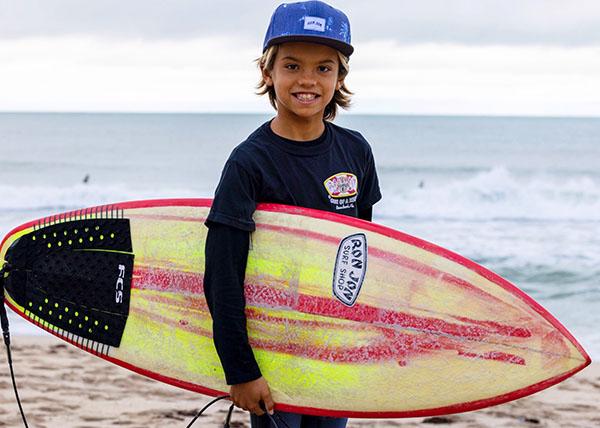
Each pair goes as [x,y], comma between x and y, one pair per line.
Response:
[6,334]
[230,411]
[222,397]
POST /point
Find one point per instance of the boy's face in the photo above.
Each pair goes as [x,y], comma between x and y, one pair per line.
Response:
[305,77]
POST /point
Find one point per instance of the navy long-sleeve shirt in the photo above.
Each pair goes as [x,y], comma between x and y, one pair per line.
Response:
[336,172]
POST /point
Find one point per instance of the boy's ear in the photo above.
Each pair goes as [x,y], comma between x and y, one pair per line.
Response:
[266,77]
[339,84]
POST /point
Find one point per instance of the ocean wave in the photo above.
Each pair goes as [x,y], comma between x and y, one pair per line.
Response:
[499,193]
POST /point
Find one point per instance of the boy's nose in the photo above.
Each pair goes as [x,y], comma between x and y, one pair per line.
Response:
[307,79]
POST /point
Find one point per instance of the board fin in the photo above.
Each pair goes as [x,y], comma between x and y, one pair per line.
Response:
[74,277]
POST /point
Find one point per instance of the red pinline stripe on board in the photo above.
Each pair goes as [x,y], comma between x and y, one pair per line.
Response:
[393,348]
[362,354]
[507,330]
[356,355]
[490,326]
[315,305]
[159,279]
[496,356]
[263,295]
[389,345]
[400,348]
[192,283]
[256,314]
[385,350]
[193,304]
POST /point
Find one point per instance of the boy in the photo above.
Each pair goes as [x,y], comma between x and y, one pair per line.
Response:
[297,158]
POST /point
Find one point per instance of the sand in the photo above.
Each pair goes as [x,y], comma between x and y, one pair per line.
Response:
[62,386]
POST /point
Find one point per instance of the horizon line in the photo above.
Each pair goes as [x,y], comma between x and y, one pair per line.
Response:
[262,113]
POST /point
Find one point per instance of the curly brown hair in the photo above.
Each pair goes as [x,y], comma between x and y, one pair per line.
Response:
[341,97]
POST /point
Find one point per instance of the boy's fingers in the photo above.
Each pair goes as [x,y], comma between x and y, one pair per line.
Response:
[257,410]
[268,403]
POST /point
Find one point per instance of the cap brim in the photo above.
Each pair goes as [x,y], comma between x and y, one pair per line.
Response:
[344,48]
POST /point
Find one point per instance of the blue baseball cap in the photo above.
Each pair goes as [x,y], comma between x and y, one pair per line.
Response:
[309,21]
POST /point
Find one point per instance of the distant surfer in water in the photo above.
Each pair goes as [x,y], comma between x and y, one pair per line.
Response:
[297,158]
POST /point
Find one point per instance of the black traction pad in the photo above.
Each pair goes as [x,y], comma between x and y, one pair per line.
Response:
[76,276]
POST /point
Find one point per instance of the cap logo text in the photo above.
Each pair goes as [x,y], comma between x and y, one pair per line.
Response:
[314,23]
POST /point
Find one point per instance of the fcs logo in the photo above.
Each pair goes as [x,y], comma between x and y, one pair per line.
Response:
[119,285]
[350,268]
[341,185]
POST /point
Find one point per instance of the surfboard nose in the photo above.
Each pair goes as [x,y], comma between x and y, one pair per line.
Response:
[74,277]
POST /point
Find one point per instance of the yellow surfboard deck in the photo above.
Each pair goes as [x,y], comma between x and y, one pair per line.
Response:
[345,317]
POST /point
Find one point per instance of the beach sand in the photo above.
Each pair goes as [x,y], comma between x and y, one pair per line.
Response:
[62,386]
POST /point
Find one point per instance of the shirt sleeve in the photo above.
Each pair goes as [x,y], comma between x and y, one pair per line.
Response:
[235,198]
[225,265]
[369,193]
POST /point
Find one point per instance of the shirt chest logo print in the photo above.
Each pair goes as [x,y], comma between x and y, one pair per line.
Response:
[341,185]
[342,189]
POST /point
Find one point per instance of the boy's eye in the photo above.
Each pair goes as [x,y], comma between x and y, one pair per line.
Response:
[292,66]
[324,68]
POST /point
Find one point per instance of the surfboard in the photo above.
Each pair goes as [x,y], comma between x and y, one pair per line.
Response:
[345,317]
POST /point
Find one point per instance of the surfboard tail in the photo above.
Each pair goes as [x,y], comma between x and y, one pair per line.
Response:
[74,277]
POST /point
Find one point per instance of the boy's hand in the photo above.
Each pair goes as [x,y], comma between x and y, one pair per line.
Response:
[248,396]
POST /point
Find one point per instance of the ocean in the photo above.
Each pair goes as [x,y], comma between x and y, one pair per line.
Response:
[519,195]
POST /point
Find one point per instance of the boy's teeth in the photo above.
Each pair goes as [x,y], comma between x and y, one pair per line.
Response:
[306,97]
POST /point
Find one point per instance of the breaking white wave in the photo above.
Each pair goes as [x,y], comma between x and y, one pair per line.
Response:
[499,194]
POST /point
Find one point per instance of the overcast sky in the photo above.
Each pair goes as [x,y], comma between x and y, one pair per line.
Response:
[528,57]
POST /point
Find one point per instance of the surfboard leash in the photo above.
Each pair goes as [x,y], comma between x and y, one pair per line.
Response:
[222,397]
[228,418]
[6,334]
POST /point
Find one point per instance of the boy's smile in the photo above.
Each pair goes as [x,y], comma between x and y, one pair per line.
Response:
[305,78]
[306,97]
